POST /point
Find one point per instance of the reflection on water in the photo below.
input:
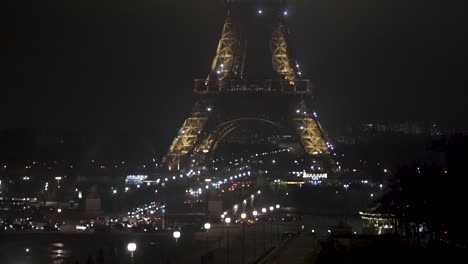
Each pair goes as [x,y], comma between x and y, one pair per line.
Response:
[58,253]
[58,248]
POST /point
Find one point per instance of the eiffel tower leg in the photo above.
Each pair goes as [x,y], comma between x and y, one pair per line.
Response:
[312,136]
[186,138]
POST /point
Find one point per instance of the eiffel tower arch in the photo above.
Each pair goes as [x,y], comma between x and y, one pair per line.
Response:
[253,78]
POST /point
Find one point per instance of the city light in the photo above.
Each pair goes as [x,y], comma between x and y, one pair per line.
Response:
[207,226]
[131,247]
[243,215]
[176,234]
[227,220]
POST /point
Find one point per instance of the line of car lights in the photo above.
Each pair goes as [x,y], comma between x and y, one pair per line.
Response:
[167,179]
[151,209]
[271,152]
[137,213]
[256,155]
[24,224]
[217,184]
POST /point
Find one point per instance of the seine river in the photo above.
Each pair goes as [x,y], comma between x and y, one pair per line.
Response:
[57,248]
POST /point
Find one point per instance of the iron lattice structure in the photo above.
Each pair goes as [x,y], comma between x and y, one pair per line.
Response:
[243,86]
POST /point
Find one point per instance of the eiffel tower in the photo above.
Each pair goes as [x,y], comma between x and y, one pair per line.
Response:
[253,78]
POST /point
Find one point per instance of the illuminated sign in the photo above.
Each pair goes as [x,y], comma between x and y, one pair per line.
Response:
[135,179]
[314,175]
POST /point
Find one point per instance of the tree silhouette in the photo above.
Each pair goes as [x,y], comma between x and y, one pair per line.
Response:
[427,198]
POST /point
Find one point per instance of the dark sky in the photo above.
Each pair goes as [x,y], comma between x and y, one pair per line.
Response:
[128,65]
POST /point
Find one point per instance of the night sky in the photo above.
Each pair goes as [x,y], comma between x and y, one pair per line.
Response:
[128,66]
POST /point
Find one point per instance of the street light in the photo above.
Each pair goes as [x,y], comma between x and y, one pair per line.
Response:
[227,220]
[222,228]
[255,213]
[131,247]
[264,210]
[58,179]
[277,206]
[272,208]
[176,235]
[207,227]
[243,216]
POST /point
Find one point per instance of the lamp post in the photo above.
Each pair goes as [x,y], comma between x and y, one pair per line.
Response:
[58,179]
[207,227]
[243,216]
[220,238]
[264,232]
[131,247]
[227,220]
[271,225]
[277,226]
[176,236]
[255,213]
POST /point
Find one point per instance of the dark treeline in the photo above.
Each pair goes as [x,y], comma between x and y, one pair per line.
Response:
[428,200]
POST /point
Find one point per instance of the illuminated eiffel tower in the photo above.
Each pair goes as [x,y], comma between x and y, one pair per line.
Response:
[253,78]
